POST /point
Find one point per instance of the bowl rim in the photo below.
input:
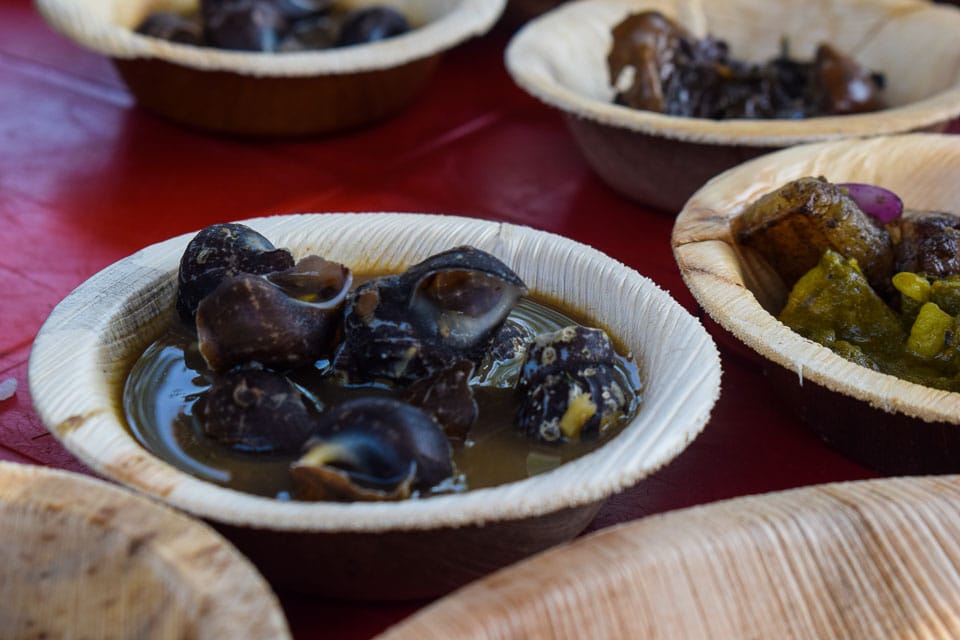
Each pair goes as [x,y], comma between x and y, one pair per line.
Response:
[73,396]
[782,546]
[929,112]
[184,552]
[711,268]
[96,31]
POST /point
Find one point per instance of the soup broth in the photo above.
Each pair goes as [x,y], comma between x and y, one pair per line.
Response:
[166,381]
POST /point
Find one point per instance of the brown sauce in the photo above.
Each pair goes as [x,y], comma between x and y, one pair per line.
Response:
[166,380]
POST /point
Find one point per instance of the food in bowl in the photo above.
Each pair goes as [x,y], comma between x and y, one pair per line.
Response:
[381,550]
[661,160]
[672,71]
[878,288]
[285,93]
[283,379]
[275,25]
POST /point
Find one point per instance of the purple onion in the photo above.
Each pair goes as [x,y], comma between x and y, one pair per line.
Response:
[882,204]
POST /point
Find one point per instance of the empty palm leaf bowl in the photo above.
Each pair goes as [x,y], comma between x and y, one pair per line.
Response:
[84,558]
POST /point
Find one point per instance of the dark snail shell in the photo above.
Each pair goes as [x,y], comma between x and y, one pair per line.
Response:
[565,350]
[500,365]
[401,328]
[283,320]
[299,9]
[371,25]
[569,385]
[312,32]
[243,25]
[354,466]
[373,449]
[377,344]
[509,342]
[255,410]
[460,297]
[168,25]
[218,252]
[448,397]
[571,405]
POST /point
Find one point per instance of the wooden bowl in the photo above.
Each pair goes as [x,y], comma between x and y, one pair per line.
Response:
[872,559]
[284,94]
[409,549]
[84,559]
[889,424]
[661,160]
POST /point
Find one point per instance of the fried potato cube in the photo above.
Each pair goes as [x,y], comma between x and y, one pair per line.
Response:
[793,226]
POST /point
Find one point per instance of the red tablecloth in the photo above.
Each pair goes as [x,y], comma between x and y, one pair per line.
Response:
[87,178]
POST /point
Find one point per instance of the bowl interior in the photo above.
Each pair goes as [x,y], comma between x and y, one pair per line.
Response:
[130,13]
[107,27]
[740,291]
[561,58]
[83,558]
[113,316]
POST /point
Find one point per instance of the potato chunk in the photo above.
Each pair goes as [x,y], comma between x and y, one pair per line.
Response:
[793,226]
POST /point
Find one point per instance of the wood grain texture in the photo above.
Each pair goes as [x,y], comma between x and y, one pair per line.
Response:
[660,160]
[874,559]
[83,559]
[740,291]
[83,351]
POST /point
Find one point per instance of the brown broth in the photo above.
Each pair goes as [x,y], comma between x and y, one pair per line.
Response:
[167,379]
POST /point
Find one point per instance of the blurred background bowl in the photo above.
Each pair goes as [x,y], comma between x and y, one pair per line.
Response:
[660,160]
[891,425]
[282,93]
[518,12]
[400,550]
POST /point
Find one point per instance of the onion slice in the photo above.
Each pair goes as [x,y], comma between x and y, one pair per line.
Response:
[882,204]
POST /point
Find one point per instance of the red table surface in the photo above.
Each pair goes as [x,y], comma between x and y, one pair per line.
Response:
[87,178]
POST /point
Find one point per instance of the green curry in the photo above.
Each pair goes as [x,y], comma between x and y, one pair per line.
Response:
[834,305]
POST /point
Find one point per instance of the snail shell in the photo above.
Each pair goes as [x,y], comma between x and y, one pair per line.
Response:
[449,306]
[448,397]
[569,385]
[255,410]
[373,449]
[218,252]
[282,320]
